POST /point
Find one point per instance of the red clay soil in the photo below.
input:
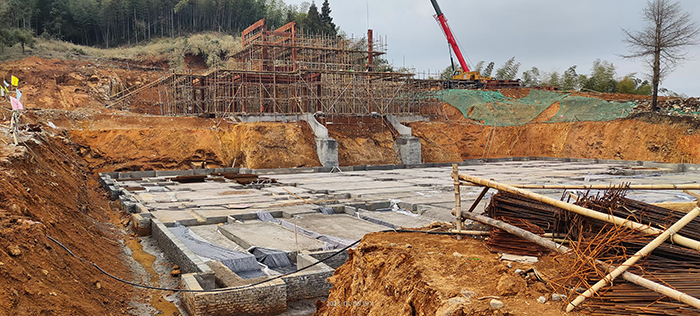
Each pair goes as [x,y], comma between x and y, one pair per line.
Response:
[69,84]
[651,137]
[420,274]
[362,140]
[43,193]
[120,143]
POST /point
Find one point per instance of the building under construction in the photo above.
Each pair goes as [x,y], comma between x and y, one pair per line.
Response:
[284,71]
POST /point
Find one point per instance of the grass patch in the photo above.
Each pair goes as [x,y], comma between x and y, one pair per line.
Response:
[214,48]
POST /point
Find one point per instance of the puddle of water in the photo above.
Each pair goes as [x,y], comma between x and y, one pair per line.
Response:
[146,260]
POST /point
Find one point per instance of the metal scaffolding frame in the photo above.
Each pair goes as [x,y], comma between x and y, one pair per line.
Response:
[286,72]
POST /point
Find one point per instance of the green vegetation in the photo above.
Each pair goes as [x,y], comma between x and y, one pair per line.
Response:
[109,23]
[603,78]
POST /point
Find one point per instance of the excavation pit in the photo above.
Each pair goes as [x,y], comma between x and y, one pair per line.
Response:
[329,211]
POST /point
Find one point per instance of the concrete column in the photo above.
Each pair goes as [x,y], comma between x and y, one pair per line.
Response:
[407,146]
[409,149]
[327,150]
[326,147]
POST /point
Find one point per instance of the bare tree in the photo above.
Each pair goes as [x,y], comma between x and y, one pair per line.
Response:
[662,43]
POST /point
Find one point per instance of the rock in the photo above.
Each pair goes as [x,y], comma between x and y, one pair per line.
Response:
[45,272]
[98,285]
[14,250]
[518,271]
[496,303]
[175,273]
[541,300]
[452,307]
[558,297]
[409,246]
[468,294]
[510,285]
[176,267]
[393,244]
[457,254]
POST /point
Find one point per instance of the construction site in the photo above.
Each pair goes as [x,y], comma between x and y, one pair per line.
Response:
[304,181]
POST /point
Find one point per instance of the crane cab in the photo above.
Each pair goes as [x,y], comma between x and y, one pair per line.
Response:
[459,74]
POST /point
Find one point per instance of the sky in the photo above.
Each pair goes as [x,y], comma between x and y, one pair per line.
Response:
[548,34]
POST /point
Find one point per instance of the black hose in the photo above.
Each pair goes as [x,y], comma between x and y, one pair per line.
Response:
[243,286]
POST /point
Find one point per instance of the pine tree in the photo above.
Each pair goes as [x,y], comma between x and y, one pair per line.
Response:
[327,20]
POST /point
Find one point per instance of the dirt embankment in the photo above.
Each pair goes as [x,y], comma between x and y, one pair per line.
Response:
[43,193]
[69,84]
[363,140]
[120,143]
[652,137]
[419,274]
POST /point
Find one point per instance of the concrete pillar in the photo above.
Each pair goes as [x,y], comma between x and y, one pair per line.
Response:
[326,147]
[407,146]
[327,150]
[409,149]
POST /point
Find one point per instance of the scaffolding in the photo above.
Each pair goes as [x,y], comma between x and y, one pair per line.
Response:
[287,72]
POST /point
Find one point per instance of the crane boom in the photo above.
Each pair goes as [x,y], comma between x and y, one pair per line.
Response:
[448,33]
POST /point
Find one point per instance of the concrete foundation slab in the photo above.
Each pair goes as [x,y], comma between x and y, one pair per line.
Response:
[339,225]
[268,235]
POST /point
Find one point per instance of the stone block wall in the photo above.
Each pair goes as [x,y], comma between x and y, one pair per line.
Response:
[269,298]
[178,253]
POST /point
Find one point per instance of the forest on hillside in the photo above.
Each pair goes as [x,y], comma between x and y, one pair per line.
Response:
[109,23]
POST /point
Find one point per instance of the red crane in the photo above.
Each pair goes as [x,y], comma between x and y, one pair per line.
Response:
[448,33]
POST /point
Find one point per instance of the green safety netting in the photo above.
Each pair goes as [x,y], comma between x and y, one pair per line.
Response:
[493,108]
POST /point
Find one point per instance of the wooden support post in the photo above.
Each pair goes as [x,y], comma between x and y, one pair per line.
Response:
[632,260]
[676,238]
[458,198]
[630,277]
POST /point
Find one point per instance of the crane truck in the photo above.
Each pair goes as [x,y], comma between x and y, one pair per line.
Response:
[463,77]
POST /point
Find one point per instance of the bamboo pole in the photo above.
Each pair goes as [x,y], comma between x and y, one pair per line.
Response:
[632,260]
[693,194]
[630,277]
[610,186]
[458,198]
[470,232]
[678,239]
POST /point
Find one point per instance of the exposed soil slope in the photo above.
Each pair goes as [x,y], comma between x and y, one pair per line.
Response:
[363,140]
[419,274]
[42,192]
[141,143]
[651,137]
[69,84]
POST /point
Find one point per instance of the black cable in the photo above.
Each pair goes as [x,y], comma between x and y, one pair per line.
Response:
[243,286]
